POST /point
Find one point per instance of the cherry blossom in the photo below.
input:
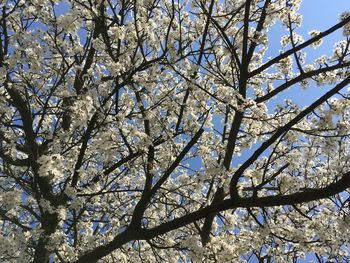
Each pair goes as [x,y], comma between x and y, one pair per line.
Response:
[162,131]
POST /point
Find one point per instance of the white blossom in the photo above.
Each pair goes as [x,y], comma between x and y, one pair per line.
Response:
[172,131]
[346,28]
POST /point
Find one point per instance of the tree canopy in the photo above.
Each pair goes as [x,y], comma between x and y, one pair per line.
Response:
[157,131]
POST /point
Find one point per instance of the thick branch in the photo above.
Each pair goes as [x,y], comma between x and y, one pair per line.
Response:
[142,204]
[269,201]
[282,130]
[299,78]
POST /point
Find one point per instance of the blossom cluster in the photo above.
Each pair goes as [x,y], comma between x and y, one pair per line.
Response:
[163,131]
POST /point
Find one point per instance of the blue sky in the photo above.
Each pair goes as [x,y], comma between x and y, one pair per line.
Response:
[317,15]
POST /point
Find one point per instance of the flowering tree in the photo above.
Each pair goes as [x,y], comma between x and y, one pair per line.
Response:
[122,121]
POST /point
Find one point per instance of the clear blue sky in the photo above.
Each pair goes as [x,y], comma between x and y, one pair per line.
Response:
[317,15]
